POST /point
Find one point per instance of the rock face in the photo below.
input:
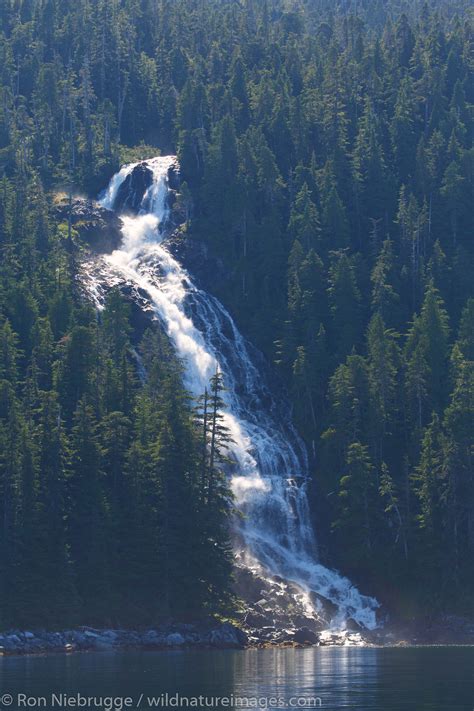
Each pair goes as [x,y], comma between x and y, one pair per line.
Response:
[276,614]
[174,177]
[177,214]
[131,192]
[98,227]
[275,611]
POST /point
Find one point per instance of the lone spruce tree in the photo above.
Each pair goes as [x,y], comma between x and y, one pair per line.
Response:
[215,496]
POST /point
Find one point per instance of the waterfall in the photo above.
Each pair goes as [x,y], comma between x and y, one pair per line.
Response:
[269,474]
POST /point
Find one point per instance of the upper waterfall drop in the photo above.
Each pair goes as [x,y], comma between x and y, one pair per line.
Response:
[270,471]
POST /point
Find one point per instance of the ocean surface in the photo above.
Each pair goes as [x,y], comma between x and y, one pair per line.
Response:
[411,679]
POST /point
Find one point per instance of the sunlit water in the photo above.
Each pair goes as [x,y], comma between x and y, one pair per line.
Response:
[416,679]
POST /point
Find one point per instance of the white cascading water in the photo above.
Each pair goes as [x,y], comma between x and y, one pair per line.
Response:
[270,470]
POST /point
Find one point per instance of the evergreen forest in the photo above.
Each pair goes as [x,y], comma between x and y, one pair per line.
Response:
[326,158]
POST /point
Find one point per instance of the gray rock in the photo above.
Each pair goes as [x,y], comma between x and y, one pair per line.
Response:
[112,635]
[52,640]
[285,636]
[175,639]
[87,638]
[298,621]
[10,646]
[90,634]
[305,636]
[13,639]
[102,643]
[96,225]
[80,640]
[353,626]
[174,178]
[256,619]
[131,191]
[228,637]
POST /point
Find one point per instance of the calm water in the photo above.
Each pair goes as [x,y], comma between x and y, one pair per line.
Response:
[416,679]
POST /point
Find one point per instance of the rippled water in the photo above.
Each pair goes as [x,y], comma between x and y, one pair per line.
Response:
[414,679]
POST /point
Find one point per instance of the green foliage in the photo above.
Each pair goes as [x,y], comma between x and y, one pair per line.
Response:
[105,517]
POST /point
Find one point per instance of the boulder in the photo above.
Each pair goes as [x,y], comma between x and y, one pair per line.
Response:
[175,639]
[253,618]
[102,643]
[286,636]
[131,191]
[53,640]
[305,636]
[112,635]
[228,637]
[307,622]
[12,643]
[79,639]
[327,609]
[13,640]
[96,225]
[268,629]
[174,177]
[353,626]
[92,634]
[331,639]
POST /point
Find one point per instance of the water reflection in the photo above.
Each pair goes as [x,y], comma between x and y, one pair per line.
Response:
[340,677]
[433,679]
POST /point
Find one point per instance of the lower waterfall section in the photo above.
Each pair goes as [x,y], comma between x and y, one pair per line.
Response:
[269,473]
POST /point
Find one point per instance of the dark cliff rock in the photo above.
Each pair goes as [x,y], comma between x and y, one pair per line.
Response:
[96,225]
[174,177]
[177,215]
[130,193]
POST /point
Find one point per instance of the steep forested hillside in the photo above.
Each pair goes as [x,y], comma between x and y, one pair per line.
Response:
[326,153]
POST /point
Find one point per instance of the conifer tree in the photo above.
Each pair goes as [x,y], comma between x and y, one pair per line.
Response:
[344,296]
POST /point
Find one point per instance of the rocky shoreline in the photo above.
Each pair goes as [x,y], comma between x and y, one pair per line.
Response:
[178,636]
[446,631]
[82,639]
